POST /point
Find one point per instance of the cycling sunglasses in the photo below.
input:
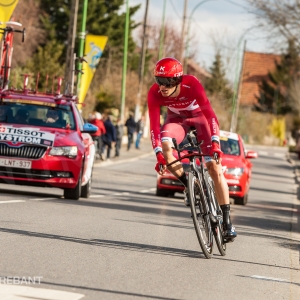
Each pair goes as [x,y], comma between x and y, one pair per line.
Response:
[168,82]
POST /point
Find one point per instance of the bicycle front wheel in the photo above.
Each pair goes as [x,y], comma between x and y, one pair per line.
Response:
[200,214]
[217,212]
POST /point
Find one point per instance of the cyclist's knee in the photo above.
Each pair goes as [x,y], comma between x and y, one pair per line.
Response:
[214,171]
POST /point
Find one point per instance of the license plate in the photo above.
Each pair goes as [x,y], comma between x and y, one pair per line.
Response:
[15,163]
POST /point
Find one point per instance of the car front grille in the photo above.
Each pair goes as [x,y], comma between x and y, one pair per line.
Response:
[26,173]
[33,152]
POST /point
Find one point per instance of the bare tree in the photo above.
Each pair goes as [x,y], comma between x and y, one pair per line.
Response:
[27,13]
[279,18]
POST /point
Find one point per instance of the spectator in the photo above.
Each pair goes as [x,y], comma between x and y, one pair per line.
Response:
[109,137]
[131,128]
[140,125]
[119,134]
[5,114]
[95,118]
[21,116]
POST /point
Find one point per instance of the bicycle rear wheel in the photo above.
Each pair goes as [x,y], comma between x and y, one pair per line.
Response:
[217,212]
[200,214]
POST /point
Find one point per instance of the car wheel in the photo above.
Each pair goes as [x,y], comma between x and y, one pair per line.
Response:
[161,192]
[86,189]
[74,194]
[241,200]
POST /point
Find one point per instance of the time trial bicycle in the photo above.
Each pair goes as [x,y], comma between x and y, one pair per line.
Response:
[206,212]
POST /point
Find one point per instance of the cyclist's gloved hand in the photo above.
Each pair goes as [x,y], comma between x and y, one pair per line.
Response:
[215,148]
[161,164]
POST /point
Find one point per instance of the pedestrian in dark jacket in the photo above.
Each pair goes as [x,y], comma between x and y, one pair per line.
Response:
[119,133]
[131,128]
[110,136]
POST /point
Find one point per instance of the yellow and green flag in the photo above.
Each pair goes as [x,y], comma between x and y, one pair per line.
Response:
[6,9]
[94,46]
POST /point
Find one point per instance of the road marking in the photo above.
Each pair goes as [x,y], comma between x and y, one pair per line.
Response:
[144,191]
[263,152]
[269,278]
[12,201]
[42,199]
[14,292]
[279,154]
[96,196]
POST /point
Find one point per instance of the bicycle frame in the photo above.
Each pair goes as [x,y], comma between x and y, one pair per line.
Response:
[6,51]
[205,210]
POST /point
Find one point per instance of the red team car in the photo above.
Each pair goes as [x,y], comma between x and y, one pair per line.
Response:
[236,167]
[43,139]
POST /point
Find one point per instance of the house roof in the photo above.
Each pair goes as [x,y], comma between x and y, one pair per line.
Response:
[256,67]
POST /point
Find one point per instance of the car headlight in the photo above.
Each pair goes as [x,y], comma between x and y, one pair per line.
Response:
[64,151]
[235,171]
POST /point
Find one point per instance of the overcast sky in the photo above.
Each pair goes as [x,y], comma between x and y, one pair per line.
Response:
[225,20]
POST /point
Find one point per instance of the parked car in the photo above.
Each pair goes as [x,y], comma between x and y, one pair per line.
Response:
[44,142]
[235,164]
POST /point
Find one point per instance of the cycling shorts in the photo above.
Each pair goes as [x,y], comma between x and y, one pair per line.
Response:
[197,122]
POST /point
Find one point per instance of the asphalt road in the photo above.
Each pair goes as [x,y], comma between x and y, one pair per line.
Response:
[126,243]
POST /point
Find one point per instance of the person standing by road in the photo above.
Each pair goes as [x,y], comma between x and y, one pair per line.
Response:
[189,107]
[140,125]
[110,136]
[95,118]
[131,129]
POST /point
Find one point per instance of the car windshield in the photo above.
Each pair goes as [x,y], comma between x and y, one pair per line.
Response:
[230,146]
[56,116]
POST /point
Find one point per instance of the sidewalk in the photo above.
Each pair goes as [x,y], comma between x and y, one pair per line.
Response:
[132,154]
[295,230]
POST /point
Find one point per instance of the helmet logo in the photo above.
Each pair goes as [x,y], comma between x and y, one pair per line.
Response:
[162,68]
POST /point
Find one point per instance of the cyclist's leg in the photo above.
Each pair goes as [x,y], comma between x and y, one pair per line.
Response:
[215,171]
[173,129]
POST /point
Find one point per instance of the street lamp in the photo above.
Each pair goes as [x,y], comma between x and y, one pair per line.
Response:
[162,32]
[188,33]
[235,87]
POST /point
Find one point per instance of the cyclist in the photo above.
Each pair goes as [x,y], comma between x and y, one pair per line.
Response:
[188,107]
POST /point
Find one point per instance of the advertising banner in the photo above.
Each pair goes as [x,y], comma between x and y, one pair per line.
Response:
[94,46]
[6,9]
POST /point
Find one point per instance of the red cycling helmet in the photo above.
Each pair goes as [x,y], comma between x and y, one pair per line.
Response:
[168,72]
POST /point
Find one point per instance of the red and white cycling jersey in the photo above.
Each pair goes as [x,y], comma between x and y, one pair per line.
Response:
[191,104]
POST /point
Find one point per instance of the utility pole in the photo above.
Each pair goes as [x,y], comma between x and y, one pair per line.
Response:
[81,44]
[183,32]
[142,65]
[125,62]
[69,86]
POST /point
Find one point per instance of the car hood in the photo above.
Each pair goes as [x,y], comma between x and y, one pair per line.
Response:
[231,161]
[21,134]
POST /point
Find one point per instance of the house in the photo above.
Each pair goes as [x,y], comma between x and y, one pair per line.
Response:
[255,68]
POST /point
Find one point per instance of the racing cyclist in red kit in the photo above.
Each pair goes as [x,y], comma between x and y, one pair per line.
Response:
[188,107]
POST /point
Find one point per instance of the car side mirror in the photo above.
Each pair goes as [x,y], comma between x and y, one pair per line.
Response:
[251,154]
[89,128]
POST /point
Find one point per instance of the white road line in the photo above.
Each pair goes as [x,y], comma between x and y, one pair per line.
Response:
[144,191]
[125,193]
[42,199]
[152,189]
[96,196]
[12,201]
[269,278]
[14,292]
[263,152]
[279,154]
[117,194]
